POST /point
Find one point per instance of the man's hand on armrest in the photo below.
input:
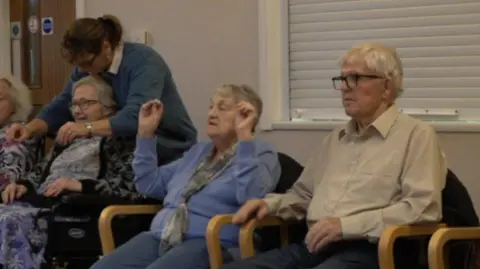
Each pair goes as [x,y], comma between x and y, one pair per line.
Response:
[322,233]
[254,207]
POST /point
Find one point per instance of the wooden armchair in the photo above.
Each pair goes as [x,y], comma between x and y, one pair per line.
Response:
[247,248]
[459,213]
[212,235]
[245,237]
[386,257]
[438,257]
[291,171]
[110,212]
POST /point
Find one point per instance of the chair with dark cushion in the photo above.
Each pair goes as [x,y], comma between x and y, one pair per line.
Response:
[458,241]
[267,235]
[269,239]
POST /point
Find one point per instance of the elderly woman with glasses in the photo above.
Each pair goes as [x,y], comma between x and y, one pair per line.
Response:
[91,165]
[214,177]
[16,157]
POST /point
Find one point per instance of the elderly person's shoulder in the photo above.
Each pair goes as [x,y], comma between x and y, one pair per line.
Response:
[408,122]
[403,125]
[254,146]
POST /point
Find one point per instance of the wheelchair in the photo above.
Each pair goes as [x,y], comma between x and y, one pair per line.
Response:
[73,238]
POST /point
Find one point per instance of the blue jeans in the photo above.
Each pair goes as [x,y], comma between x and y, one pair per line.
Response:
[142,252]
[340,255]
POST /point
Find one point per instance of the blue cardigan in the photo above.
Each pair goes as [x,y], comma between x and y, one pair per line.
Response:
[254,172]
[142,75]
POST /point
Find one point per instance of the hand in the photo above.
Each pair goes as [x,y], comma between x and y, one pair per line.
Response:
[149,118]
[18,132]
[322,233]
[246,118]
[13,192]
[252,207]
[71,130]
[62,184]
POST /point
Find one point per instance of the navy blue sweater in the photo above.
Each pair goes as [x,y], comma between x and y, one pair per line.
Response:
[142,75]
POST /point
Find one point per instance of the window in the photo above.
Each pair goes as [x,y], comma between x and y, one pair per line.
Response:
[437,40]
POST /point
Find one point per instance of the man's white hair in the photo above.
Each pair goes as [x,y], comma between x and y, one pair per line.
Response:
[381,59]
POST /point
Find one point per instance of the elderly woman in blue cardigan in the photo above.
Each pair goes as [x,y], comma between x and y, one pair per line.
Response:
[214,177]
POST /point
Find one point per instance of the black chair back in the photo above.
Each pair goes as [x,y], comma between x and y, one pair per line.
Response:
[291,171]
[458,208]
[458,211]
[269,236]
[39,148]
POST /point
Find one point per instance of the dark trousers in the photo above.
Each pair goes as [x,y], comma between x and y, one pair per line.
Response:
[339,255]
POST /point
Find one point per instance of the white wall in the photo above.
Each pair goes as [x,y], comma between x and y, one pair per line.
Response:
[205,43]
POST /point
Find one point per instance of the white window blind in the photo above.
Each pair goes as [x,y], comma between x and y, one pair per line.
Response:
[437,40]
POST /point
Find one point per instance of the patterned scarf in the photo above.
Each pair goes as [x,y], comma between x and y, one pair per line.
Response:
[176,226]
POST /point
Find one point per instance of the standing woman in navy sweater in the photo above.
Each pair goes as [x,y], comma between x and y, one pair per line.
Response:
[137,74]
[213,177]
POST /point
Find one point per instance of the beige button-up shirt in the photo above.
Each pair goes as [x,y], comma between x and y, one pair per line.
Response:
[391,174]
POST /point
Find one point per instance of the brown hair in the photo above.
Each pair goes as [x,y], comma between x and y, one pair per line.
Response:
[86,35]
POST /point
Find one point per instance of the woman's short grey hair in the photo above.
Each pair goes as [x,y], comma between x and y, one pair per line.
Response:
[21,98]
[104,90]
[242,92]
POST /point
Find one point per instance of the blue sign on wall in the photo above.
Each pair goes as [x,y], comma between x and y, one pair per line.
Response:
[47,26]
[16,30]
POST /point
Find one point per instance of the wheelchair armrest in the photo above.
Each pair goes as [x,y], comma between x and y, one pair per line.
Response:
[97,200]
[79,199]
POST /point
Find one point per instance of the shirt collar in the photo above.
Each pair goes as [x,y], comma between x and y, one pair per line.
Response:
[383,124]
[117,59]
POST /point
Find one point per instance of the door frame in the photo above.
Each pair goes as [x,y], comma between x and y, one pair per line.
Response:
[80,12]
[80,6]
[5,50]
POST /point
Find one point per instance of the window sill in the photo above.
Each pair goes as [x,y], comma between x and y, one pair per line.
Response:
[442,127]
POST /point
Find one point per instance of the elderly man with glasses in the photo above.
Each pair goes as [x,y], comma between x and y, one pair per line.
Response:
[382,168]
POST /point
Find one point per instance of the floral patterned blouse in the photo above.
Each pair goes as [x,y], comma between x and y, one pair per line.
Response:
[16,159]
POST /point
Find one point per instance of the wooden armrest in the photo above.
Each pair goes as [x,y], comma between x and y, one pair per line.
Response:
[392,233]
[436,246]
[213,239]
[107,215]
[247,248]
